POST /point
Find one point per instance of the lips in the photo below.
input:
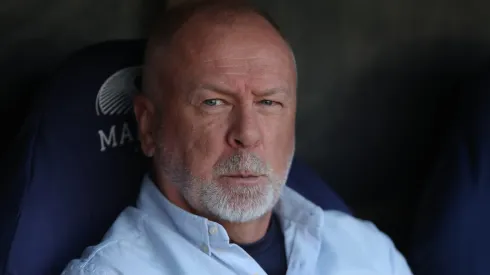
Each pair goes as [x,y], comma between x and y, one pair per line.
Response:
[243,178]
[243,175]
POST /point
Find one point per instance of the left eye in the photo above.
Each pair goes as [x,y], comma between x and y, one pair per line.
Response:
[213,102]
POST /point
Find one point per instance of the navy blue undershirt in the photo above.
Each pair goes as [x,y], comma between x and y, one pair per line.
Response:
[270,252]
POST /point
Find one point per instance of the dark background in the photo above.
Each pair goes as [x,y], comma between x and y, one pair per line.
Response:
[376,79]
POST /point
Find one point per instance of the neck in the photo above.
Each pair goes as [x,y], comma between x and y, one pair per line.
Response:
[248,232]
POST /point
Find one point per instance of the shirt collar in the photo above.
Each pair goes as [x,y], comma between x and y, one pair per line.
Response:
[201,231]
[292,209]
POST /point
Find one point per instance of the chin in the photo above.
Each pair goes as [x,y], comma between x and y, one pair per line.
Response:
[240,202]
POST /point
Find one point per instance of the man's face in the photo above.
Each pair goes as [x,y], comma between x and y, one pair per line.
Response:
[225,136]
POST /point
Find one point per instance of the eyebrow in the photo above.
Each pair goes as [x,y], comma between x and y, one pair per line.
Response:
[224,90]
[216,88]
[274,91]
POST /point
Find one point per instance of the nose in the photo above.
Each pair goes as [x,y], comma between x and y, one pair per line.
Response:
[245,129]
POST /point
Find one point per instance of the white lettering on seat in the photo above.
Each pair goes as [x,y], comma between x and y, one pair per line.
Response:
[126,134]
[111,140]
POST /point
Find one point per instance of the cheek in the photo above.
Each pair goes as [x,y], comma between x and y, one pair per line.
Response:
[203,145]
[279,144]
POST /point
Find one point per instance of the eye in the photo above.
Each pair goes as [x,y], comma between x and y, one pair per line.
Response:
[267,102]
[213,102]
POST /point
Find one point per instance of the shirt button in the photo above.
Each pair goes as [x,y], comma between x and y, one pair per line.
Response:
[205,248]
[213,230]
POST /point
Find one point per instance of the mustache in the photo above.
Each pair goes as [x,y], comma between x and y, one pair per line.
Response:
[242,162]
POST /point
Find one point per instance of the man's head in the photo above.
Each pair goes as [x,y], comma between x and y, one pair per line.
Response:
[217,112]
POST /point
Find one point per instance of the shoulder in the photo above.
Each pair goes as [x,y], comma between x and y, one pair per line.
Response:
[349,226]
[100,259]
[361,241]
[123,243]
[342,228]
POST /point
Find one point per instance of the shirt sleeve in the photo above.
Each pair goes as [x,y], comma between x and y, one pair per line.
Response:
[116,257]
[397,261]
[77,267]
[361,241]
[399,265]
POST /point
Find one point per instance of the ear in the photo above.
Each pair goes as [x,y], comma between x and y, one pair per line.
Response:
[144,111]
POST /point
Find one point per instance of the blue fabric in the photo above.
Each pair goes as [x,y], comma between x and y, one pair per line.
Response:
[64,191]
[452,231]
[270,251]
[309,184]
[75,165]
[157,238]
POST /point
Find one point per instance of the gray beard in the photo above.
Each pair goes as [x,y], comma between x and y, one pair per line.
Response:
[238,204]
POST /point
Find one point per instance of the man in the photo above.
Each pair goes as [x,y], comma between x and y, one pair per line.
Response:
[217,115]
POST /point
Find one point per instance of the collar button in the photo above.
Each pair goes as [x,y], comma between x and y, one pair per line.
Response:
[213,230]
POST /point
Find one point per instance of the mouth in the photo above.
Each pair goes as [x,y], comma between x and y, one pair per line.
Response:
[245,178]
[243,175]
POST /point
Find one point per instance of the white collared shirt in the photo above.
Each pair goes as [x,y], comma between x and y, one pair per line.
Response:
[157,237]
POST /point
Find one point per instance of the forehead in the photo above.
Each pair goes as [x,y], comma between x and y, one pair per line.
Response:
[245,47]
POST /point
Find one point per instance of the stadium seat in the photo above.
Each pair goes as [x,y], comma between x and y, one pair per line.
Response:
[451,232]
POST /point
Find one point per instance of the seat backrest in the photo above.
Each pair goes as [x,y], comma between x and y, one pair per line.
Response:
[76,163]
[451,232]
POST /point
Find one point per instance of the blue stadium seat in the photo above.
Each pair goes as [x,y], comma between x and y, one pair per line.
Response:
[452,230]
[76,163]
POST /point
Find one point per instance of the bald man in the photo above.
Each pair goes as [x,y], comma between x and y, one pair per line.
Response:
[217,116]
